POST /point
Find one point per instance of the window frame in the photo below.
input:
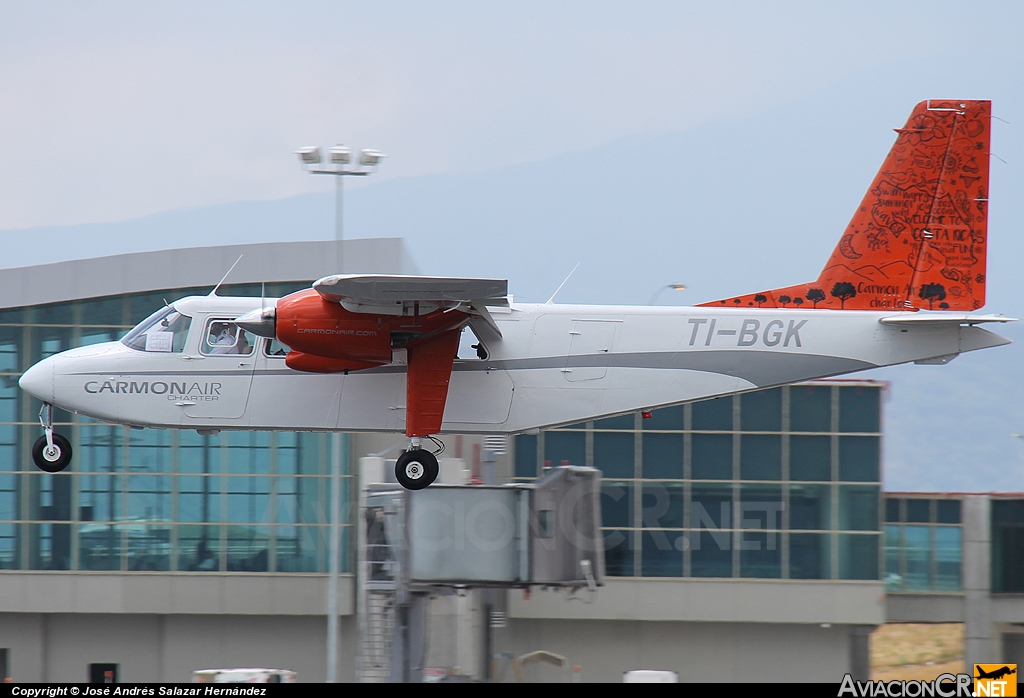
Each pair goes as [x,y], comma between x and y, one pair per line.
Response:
[206,349]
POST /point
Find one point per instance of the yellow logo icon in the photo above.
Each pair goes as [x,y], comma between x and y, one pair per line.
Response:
[995,680]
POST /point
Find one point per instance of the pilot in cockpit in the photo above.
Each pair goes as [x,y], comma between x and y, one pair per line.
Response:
[222,338]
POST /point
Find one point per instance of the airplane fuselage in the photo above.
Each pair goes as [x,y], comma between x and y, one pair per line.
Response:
[552,365]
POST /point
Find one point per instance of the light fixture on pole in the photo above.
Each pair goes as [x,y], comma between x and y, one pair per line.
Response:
[309,155]
[674,287]
[340,157]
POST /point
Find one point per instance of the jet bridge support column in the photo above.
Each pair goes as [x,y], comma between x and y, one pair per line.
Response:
[454,539]
[408,655]
[495,608]
[979,634]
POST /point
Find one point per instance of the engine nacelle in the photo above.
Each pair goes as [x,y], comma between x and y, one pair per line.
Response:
[311,363]
[311,325]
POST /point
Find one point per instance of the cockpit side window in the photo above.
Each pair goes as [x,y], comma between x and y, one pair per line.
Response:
[225,337]
[165,331]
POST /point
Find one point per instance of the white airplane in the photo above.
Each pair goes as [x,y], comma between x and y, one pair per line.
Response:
[432,355]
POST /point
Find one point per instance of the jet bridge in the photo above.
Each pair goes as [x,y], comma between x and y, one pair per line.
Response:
[449,538]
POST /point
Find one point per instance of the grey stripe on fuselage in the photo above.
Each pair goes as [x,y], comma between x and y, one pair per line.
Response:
[761,368]
[757,367]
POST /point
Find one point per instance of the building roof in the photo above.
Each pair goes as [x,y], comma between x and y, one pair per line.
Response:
[199,266]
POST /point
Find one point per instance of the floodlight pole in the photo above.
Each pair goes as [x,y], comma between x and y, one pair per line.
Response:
[340,174]
[339,191]
[339,442]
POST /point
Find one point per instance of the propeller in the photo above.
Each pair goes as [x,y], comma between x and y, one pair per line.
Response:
[262,322]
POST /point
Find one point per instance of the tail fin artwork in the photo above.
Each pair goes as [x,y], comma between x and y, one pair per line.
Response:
[919,238]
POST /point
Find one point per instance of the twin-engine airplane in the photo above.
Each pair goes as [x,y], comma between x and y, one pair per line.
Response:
[382,353]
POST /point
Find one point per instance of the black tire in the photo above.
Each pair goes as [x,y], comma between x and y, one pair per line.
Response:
[52,461]
[416,469]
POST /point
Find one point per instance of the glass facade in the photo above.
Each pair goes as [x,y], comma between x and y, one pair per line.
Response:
[782,483]
[152,500]
[923,544]
[1007,546]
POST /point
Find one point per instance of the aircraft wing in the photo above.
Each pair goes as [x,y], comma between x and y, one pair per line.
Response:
[389,293]
[376,288]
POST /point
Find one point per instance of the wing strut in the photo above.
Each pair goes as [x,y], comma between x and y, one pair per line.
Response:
[426,390]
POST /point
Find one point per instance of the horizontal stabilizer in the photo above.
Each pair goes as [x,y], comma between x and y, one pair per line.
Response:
[943,319]
[377,288]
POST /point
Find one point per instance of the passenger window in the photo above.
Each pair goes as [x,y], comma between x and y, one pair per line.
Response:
[225,337]
[275,347]
[470,346]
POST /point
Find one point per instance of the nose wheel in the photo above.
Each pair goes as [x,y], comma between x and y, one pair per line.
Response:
[51,452]
[416,469]
[51,458]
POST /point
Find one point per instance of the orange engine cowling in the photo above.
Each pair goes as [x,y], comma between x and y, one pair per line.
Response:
[331,338]
[311,363]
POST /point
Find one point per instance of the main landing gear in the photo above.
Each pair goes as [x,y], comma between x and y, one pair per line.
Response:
[416,468]
[51,451]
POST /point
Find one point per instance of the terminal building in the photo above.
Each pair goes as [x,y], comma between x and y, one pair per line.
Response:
[746,538]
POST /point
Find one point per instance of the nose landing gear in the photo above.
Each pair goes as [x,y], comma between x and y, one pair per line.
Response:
[51,452]
[416,468]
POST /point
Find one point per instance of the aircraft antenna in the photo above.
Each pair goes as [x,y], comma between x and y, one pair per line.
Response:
[552,299]
[219,283]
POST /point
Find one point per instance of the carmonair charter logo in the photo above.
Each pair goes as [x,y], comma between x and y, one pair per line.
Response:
[995,679]
[184,391]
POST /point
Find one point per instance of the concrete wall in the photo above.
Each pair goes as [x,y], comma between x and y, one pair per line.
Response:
[168,648]
[924,608]
[181,592]
[720,600]
[707,652]
[706,630]
[24,635]
[162,627]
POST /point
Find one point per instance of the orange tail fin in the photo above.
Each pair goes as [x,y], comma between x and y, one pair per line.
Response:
[919,237]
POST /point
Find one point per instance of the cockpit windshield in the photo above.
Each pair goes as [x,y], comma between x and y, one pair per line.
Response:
[163,331]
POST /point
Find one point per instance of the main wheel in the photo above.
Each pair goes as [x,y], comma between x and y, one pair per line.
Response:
[51,460]
[416,469]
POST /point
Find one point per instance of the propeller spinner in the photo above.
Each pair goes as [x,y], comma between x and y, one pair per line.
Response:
[262,322]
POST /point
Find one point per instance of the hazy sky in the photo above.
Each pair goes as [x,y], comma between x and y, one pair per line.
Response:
[112,110]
